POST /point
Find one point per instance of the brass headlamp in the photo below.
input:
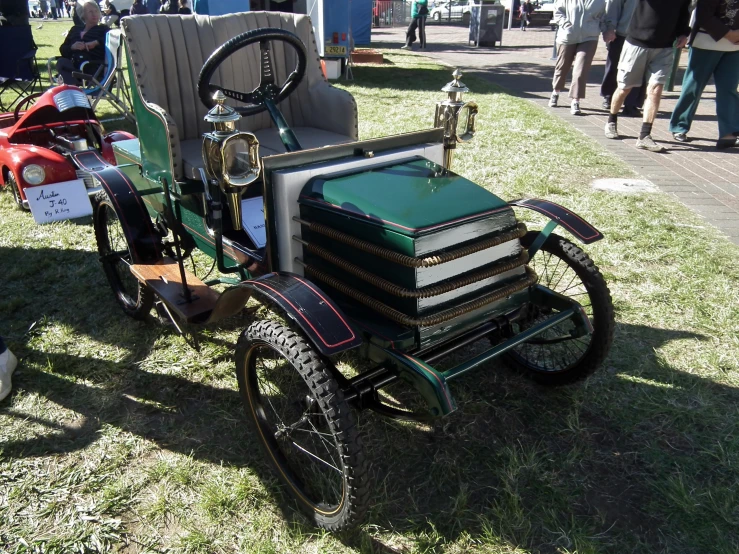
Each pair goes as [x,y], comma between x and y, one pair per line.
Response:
[456,117]
[231,157]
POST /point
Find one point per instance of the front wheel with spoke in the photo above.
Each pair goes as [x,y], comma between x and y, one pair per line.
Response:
[115,255]
[563,353]
[304,423]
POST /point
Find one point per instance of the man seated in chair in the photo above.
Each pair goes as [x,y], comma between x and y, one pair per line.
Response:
[84,47]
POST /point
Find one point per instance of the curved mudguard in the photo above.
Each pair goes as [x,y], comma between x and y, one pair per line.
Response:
[561,215]
[135,220]
[316,314]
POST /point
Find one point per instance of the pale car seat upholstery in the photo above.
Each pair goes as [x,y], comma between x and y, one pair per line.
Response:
[167,52]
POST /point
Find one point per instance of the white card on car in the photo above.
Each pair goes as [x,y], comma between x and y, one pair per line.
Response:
[66,200]
[252,220]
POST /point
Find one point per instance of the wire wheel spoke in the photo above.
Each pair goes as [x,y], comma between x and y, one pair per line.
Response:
[299,427]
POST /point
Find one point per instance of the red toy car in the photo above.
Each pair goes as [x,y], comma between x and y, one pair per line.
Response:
[53,142]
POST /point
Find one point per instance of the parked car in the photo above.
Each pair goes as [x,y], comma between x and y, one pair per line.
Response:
[50,142]
[452,10]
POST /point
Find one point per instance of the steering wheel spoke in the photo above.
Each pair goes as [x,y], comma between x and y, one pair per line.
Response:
[268,75]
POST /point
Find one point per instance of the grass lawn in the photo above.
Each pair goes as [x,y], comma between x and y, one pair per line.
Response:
[119,437]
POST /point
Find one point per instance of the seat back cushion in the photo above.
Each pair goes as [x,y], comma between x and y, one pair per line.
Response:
[168,51]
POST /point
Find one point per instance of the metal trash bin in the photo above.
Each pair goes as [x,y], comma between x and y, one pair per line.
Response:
[486,24]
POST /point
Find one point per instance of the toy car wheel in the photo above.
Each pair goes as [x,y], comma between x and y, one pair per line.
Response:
[115,255]
[556,356]
[436,16]
[304,423]
[13,184]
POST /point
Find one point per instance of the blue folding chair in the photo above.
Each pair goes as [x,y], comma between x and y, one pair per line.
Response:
[107,81]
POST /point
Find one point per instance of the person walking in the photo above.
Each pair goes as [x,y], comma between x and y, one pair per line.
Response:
[618,16]
[579,24]
[419,12]
[527,8]
[152,6]
[138,8]
[52,7]
[714,51]
[656,27]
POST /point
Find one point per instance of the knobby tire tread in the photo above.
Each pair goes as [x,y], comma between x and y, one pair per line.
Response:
[327,393]
[600,298]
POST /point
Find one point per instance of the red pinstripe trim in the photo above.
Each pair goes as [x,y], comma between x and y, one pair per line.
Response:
[297,311]
[327,301]
[122,218]
[440,225]
[537,207]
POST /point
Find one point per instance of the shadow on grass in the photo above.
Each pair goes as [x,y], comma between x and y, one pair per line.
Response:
[496,470]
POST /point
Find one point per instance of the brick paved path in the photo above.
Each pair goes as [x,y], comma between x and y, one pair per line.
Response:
[705,180]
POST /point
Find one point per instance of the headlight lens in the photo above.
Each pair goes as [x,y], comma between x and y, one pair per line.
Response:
[34,174]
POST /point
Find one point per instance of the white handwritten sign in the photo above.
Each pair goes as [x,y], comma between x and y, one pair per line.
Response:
[252,220]
[59,201]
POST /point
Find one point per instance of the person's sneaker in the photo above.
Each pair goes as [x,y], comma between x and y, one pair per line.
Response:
[553,100]
[611,130]
[575,108]
[406,47]
[606,103]
[8,362]
[647,143]
[680,137]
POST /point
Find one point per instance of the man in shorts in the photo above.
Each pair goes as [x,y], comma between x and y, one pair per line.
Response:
[656,27]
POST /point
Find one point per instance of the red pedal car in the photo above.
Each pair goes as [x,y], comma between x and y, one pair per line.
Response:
[52,145]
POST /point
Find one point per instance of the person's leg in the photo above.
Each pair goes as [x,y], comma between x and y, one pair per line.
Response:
[584,54]
[631,68]
[565,55]
[410,34]
[701,65]
[422,31]
[726,77]
[65,67]
[609,83]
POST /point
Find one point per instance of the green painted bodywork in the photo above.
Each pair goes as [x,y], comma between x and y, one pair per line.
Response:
[152,131]
[410,198]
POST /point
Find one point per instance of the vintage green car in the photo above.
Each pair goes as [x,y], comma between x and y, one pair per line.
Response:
[375,245]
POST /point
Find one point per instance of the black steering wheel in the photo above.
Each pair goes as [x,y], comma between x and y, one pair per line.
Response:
[27,100]
[268,88]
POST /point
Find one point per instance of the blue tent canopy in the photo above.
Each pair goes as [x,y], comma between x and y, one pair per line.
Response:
[361,21]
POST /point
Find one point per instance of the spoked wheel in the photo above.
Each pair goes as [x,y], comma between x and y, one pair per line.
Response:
[559,355]
[13,184]
[304,422]
[115,255]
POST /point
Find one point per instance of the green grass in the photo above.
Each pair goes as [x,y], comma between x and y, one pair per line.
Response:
[120,437]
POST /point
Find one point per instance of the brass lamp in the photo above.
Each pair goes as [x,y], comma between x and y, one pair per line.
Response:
[455,115]
[231,157]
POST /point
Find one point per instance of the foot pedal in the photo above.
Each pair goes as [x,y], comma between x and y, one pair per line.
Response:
[164,279]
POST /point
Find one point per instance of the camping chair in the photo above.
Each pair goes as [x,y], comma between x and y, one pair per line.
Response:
[107,81]
[19,74]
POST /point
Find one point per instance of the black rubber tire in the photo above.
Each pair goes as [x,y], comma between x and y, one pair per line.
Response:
[325,412]
[436,17]
[135,298]
[579,279]
[15,191]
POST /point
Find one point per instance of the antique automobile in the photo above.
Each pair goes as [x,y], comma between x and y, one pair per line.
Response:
[375,247]
[39,146]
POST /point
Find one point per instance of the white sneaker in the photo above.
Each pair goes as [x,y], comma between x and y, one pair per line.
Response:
[8,363]
[553,100]
[575,108]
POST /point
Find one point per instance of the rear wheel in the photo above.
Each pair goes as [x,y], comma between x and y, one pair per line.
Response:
[115,255]
[436,16]
[304,423]
[558,355]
